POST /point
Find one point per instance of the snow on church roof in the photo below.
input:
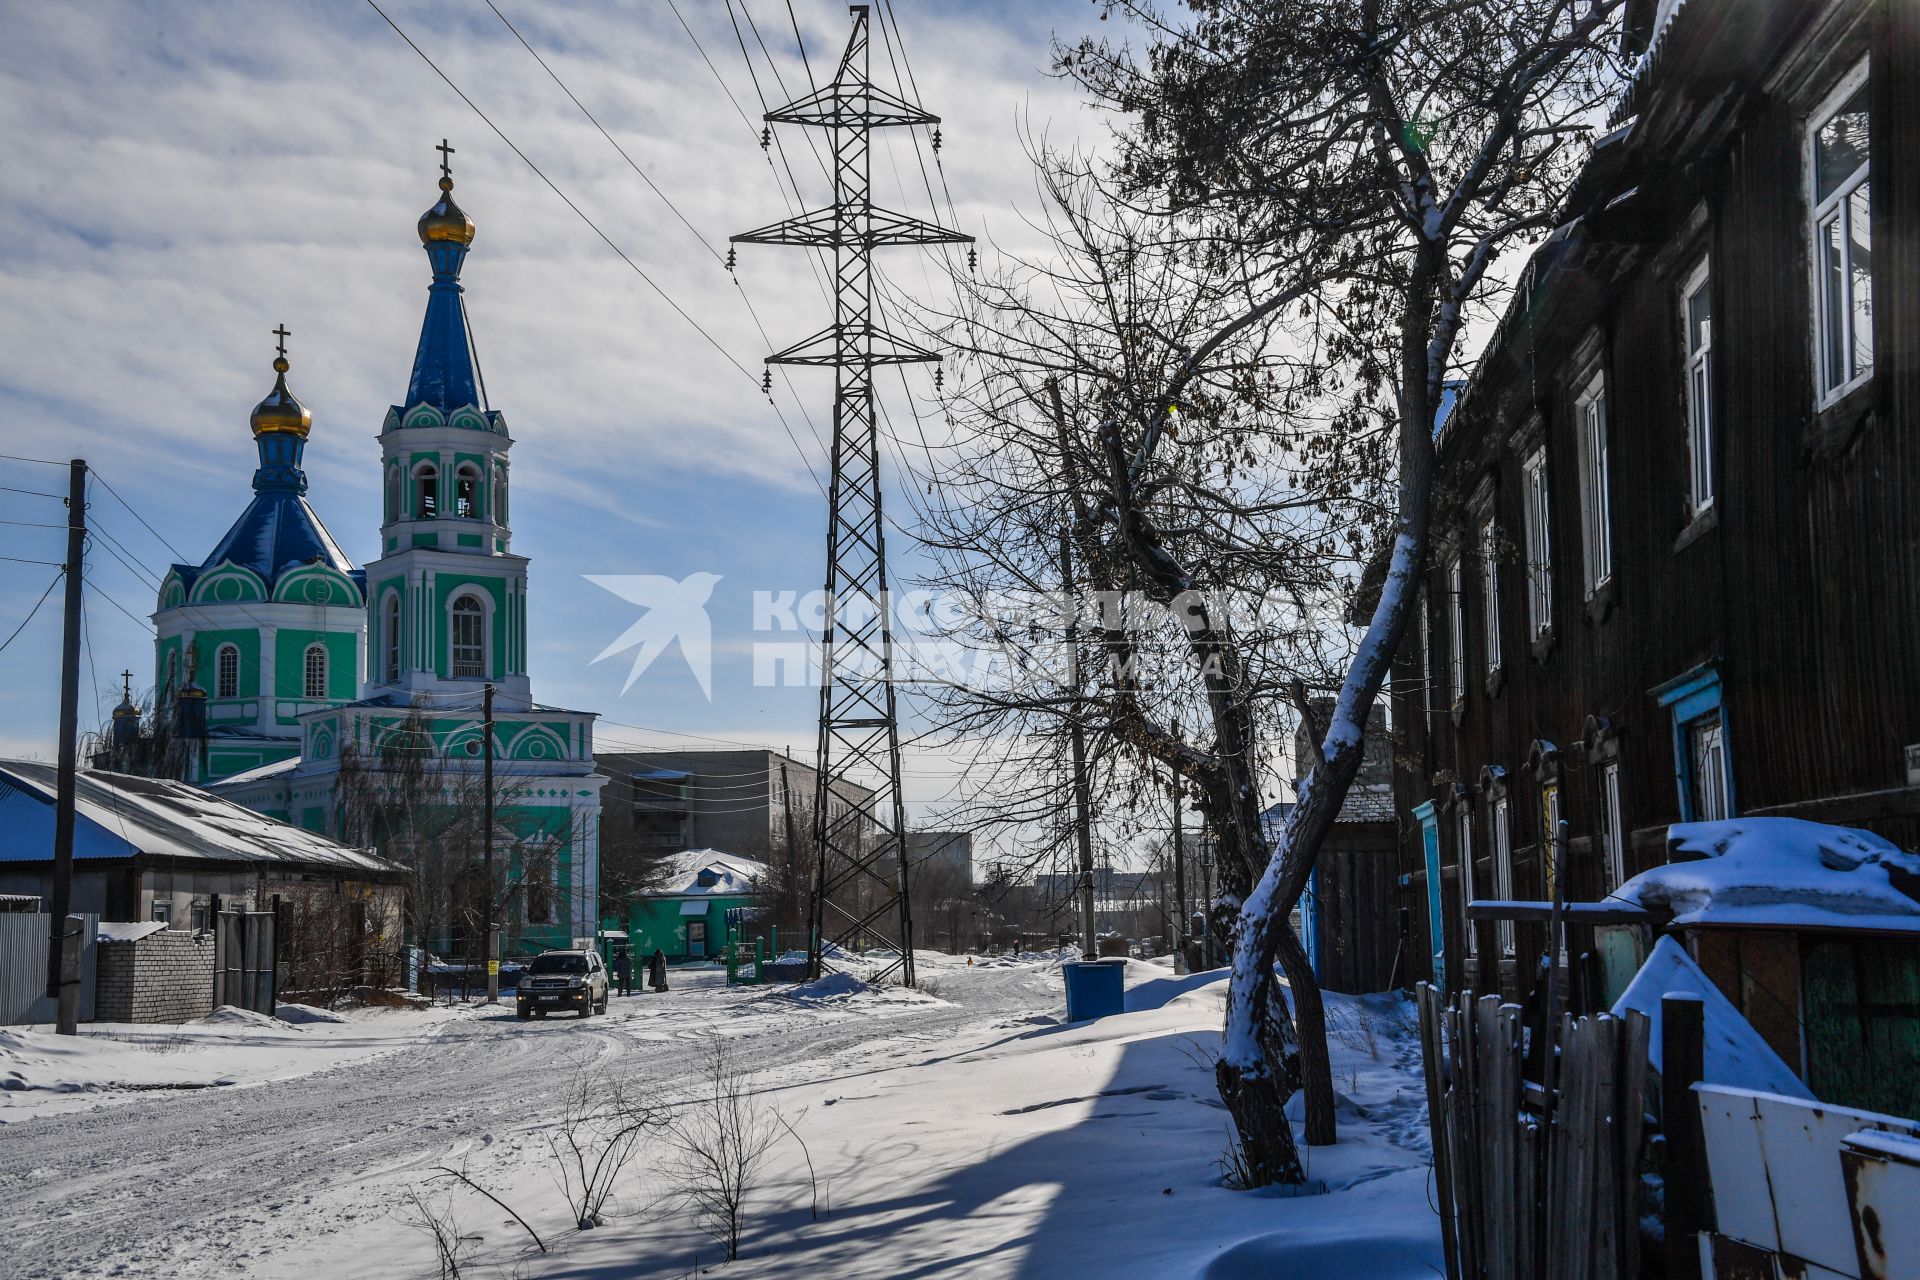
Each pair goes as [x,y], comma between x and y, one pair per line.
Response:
[121,816]
[1781,872]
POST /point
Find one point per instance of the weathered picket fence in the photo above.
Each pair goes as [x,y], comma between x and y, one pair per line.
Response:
[1536,1180]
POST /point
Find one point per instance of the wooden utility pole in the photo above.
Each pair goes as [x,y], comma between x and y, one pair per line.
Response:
[1179,874]
[486,785]
[63,940]
[1082,798]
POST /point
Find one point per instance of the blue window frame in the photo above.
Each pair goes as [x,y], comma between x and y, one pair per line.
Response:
[1702,761]
[1436,914]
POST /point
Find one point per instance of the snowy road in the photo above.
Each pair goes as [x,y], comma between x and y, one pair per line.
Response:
[254,1179]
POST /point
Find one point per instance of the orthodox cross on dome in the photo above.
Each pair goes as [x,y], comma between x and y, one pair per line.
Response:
[446,170]
[282,333]
[126,684]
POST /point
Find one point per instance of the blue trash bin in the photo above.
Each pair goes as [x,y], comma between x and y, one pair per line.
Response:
[1094,989]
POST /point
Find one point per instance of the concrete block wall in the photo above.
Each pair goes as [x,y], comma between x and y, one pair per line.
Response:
[163,977]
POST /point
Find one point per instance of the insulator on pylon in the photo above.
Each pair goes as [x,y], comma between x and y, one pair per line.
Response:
[766,136]
[730,257]
[973,259]
[936,137]
[939,377]
[766,381]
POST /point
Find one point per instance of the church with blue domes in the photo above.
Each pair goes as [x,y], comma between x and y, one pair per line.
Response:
[351,700]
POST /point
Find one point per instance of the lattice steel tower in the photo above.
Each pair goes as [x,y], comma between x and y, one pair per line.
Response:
[859,729]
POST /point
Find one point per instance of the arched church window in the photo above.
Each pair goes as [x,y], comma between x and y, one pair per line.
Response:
[226,672]
[393,493]
[469,638]
[466,491]
[173,676]
[316,671]
[499,493]
[426,491]
[390,634]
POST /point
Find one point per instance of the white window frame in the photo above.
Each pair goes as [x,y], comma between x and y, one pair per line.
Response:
[1613,837]
[1699,391]
[1596,499]
[307,672]
[1490,594]
[1837,208]
[1426,661]
[1457,630]
[454,646]
[1533,473]
[226,671]
[1708,767]
[390,638]
[1503,869]
[1463,832]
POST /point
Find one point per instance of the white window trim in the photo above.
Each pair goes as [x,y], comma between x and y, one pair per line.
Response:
[1613,837]
[391,650]
[414,496]
[1700,450]
[1456,631]
[1490,594]
[1825,396]
[1534,492]
[306,672]
[1503,870]
[485,602]
[1427,685]
[468,471]
[1596,497]
[220,686]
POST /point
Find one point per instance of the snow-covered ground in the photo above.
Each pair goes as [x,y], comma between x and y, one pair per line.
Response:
[960,1131]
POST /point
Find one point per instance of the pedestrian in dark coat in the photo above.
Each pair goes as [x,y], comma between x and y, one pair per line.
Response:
[623,971]
[657,970]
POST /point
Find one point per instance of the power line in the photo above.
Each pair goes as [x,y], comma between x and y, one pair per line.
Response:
[36,609]
[45,462]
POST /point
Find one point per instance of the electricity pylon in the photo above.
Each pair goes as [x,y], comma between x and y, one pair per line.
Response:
[859,726]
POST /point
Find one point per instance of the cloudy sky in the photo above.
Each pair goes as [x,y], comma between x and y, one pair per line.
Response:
[180,178]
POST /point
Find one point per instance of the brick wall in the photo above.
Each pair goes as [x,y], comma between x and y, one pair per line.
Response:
[163,977]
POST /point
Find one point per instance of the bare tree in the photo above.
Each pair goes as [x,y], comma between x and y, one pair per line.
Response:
[1368,160]
[722,1139]
[603,1120]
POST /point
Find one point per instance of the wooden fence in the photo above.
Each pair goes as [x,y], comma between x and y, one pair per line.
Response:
[1537,1180]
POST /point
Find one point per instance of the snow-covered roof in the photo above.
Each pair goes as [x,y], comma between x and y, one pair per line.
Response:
[1782,872]
[262,772]
[724,873]
[1734,1052]
[122,816]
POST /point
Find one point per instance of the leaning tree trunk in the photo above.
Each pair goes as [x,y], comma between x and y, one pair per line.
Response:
[1310,1018]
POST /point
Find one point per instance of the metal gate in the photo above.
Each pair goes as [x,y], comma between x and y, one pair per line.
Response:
[23,967]
[243,960]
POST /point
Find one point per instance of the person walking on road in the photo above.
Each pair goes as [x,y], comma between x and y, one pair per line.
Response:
[623,971]
[657,970]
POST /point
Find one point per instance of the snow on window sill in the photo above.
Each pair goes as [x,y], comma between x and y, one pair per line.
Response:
[1839,421]
[1704,521]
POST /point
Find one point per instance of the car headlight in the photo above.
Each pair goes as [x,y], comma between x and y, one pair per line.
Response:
[575,981]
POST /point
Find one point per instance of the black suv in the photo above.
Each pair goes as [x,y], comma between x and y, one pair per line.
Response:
[557,980]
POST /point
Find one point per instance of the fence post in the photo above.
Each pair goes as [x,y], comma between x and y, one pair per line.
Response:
[1682,1061]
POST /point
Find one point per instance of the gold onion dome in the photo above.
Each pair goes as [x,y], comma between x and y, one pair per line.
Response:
[446,222]
[281,410]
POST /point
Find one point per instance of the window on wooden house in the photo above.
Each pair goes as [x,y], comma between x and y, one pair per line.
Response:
[1490,593]
[1549,836]
[1707,754]
[1697,314]
[1842,231]
[315,672]
[1456,633]
[1503,869]
[1596,502]
[1613,835]
[1539,547]
[469,639]
[1464,834]
[226,672]
[1426,685]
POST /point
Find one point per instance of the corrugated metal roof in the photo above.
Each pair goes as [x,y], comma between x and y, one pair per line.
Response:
[121,816]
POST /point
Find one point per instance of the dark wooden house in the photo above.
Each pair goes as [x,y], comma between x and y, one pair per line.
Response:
[1676,569]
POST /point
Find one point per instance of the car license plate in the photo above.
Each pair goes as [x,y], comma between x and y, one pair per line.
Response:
[553,996]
